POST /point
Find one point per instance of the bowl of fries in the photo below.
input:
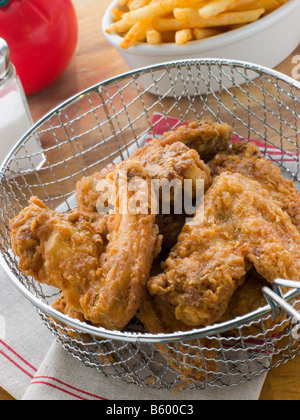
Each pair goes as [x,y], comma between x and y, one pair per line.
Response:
[148,32]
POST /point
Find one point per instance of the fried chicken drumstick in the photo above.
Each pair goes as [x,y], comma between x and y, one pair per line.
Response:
[101,266]
[239,226]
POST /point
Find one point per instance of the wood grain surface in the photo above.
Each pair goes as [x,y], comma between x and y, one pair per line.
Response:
[94,61]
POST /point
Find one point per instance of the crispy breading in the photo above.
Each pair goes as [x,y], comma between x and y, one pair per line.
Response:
[246,159]
[206,137]
[166,163]
[238,226]
[175,156]
[244,235]
[101,267]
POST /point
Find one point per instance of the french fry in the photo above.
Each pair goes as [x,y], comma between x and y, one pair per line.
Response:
[121,27]
[116,14]
[254,4]
[224,19]
[214,8]
[137,4]
[156,9]
[168,24]
[184,36]
[186,13]
[202,33]
[154,37]
[137,33]
[243,4]
[181,21]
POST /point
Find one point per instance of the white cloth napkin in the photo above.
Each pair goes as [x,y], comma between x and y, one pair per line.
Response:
[24,340]
[61,376]
[33,366]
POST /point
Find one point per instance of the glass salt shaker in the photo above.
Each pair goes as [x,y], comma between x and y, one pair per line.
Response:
[15,118]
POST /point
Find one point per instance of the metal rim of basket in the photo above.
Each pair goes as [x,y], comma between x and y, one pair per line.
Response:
[99,332]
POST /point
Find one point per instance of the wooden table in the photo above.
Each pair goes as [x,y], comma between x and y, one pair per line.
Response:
[95,60]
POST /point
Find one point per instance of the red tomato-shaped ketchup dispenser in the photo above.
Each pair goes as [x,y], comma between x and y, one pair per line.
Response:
[42,37]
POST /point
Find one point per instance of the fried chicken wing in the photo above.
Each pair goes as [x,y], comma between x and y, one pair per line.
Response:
[166,163]
[175,162]
[175,156]
[100,265]
[238,226]
[46,242]
[246,159]
[207,138]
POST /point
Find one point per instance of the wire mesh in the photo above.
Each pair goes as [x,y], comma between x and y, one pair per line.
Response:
[99,127]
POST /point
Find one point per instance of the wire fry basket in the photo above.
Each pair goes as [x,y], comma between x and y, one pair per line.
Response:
[101,126]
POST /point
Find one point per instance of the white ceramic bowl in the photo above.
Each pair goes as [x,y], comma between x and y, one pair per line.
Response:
[266,42]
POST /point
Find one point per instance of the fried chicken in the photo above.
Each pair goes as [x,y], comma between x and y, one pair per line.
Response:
[46,242]
[175,156]
[246,159]
[163,163]
[238,226]
[207,138]
[105,284]
[174,163]
[249,223]
[196,357]
[100,265]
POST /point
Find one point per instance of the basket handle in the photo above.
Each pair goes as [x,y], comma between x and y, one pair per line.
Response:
[278,303]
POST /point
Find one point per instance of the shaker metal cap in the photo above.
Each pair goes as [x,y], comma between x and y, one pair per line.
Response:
[5,63]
